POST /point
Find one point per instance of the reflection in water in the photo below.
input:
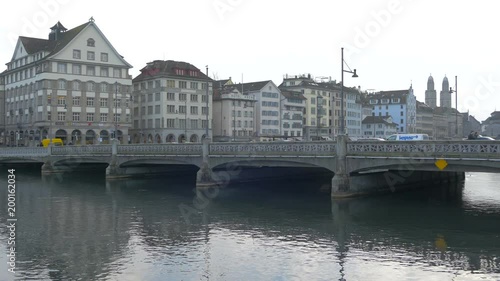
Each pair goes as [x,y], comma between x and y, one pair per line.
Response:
[82,227]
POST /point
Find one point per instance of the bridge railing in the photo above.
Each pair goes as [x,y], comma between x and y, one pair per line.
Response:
[490,149]
[160,149]
[82,150]
[274,148]
[25,152]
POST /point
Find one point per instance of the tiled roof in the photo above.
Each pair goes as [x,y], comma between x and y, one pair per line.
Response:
[253,86]
[424,107]
[445,110]
[159,68]
[292,94]
[376,120]
[220,83]
[34,45]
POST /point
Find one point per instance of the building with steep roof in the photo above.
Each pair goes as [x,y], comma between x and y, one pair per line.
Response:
[73,85]
[172,102]
[491,126]
[378,127]
[401,105]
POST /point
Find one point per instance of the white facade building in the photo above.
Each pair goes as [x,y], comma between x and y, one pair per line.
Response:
[378,127]
[267,107]
[234,115]
[73,85]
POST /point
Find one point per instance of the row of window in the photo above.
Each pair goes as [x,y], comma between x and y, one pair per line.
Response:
[384,101]
[77,54]
[89,69]
[246,113]
[90,117]
[170,123]
[170,84]
[270,122]
[386,107]
[270,104]
[171,109]
[171,97]
[103,102]
[246,124]
[269,95]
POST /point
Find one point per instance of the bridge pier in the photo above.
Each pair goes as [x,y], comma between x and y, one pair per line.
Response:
[341,183]
[205,176]
[113,171]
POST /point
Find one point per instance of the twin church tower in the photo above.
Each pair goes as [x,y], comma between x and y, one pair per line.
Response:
[445,95]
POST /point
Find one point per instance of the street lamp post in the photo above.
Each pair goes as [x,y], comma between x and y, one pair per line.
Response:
[456,105]
[116,110]
[206,113]
[342,125]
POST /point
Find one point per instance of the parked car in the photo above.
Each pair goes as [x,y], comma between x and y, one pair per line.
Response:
[483,138]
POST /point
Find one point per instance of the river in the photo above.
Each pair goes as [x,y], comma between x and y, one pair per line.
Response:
[82,227]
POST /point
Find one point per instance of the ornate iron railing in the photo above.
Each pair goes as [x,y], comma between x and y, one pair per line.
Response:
[426,148]
[160,149]
[273,149]
[24,152]
[82,150]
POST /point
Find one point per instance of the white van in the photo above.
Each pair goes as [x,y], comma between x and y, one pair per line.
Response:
[408,137]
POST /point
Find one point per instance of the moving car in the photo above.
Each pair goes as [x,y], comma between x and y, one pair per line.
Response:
[482,138]
[408,137]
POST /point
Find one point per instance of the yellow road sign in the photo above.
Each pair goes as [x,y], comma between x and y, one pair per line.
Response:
[441,164]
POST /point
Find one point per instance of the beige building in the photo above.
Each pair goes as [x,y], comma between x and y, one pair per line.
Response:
[234,114]
[73,85]
[292,106]
[317,106]
[172,103]
[425,119]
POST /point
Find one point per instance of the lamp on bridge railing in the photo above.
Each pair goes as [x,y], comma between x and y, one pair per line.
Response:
[342,116]
[456,106]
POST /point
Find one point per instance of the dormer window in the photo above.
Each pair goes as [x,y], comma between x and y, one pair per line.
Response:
[384,101]
[180,71]
[91,42]
[373,101]
[395,100]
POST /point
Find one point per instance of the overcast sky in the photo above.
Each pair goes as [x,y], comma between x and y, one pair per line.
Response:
[391,43]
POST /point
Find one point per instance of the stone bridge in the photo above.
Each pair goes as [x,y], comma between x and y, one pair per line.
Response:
[358,167]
